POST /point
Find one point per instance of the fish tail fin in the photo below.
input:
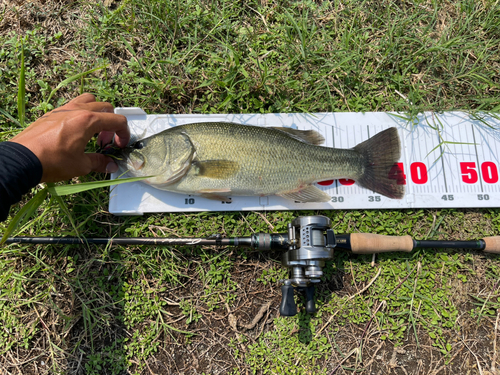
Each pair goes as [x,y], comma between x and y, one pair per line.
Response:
[381,173]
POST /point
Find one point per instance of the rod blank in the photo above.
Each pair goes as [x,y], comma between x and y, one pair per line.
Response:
[121,241]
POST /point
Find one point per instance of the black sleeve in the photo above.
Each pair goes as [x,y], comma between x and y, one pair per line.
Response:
[20,170]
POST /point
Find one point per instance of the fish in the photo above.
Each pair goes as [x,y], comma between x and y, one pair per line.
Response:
[220,160]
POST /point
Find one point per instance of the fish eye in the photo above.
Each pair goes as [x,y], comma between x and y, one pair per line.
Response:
[138,145]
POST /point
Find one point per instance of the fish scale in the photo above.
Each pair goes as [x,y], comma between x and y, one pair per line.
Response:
[270,155]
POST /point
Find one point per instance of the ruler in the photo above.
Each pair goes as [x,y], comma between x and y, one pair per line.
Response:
[449,159]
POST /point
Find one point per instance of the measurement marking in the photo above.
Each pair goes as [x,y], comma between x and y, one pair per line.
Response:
[493,157]
[489,155]
[479,172]
[368,131]
[442,164]
[336,180]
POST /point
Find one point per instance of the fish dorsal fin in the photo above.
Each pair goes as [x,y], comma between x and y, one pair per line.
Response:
[307,136]
[308,194]
[219,169]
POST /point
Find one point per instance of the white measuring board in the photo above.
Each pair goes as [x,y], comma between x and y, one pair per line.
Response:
[449,160]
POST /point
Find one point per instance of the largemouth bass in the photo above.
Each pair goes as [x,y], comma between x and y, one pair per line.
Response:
[218,160]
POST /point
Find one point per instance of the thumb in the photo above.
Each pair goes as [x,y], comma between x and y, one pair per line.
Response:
[102,163]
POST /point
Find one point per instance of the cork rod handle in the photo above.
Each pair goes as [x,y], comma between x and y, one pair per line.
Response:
[492,245]
[365,243]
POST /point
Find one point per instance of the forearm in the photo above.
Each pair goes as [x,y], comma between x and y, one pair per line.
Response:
[20,170]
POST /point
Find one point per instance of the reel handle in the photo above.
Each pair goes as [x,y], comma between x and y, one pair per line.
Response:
[310,304]
[288,306]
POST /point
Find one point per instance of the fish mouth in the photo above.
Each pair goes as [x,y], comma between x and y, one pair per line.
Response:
[111,150]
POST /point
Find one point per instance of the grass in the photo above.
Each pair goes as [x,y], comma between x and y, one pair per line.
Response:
[102,310]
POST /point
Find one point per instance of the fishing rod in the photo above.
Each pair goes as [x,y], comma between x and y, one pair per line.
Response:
[307,245]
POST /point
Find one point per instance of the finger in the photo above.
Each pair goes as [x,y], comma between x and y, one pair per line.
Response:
[119,142]
[97,107]
[111,122]
[105,138]
[84,98]
[102,163]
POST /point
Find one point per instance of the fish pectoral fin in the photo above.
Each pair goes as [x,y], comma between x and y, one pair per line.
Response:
[308,194]
[215,194]
[218,169]
[307,136]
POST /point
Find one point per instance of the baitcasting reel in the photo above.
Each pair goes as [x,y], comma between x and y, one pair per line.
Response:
[310,244]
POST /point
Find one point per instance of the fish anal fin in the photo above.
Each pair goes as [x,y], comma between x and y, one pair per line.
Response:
[215,194]
[218,169]
[307,136]
[308,194]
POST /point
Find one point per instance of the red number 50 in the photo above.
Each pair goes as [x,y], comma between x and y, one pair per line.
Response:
[489,172]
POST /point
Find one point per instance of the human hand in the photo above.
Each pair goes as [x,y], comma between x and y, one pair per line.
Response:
[59,138]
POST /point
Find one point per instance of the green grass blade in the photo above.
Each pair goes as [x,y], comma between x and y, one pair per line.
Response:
[82,79]
[78,188]
[64,208]
[7,115]
[72,79]
[25,213]
[21,92]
